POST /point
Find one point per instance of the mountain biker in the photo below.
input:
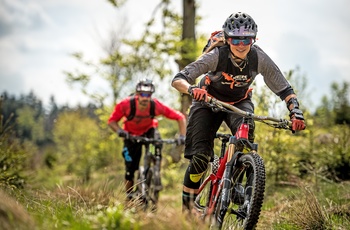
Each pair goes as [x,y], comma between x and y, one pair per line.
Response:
[229,71]
[141,123]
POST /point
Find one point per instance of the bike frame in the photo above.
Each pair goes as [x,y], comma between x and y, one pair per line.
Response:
[220,181]
[151,159]
[226,163]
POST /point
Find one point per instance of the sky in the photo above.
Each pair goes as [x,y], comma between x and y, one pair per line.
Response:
[38,36]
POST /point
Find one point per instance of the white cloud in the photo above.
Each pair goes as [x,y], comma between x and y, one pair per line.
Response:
[36,37]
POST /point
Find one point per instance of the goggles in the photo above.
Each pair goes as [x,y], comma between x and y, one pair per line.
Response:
[236,41]
[145,94]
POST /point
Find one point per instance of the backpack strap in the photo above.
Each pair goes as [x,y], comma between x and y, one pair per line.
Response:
[133,109]
[152,109]
[223,58]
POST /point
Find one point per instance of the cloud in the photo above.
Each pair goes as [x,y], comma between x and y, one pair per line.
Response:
[17,17]
[36,37]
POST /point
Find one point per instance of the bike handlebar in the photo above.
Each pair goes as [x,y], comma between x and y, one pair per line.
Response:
[278,122]
[146,140]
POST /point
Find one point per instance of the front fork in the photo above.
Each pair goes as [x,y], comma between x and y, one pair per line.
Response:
[231,164]
[227,184]
[157,165]
[146,166]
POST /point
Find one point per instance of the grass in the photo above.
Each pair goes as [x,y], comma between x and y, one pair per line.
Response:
[307,207]
[101,205]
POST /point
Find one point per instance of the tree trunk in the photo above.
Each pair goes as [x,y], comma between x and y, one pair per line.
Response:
[188,34]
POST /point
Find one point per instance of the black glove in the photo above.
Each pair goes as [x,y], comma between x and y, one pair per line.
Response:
[123,133]
[181,140]
[297,118]
[197,93]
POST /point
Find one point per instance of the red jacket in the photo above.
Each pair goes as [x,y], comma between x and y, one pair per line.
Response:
[142,121]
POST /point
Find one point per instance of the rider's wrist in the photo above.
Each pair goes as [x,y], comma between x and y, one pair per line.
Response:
[292,101]
[190,88]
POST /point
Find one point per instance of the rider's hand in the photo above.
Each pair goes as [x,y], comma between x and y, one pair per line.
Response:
[181,140]
[297,118]
[197,93]
[123,133]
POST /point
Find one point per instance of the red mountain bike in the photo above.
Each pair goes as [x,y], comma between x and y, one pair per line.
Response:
[232,191]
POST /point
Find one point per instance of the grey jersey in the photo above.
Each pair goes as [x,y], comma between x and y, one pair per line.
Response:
[272,75]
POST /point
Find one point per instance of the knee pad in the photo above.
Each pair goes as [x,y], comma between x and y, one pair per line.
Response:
[195,170]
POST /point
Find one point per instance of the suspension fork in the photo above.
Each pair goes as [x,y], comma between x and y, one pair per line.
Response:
[157,165]
[146,165]
[220,182]
[227,184]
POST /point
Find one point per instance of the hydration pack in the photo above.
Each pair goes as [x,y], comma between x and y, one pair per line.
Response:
[133,109]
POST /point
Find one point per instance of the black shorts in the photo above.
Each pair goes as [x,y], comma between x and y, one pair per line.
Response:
[132,153]
[203,124]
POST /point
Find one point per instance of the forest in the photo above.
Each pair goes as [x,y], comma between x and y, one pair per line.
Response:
[62,168]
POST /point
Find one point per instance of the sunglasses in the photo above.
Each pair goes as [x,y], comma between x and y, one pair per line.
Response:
[245,42]
[145,94]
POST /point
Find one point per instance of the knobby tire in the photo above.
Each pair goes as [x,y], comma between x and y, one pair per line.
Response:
[151,197]
[244,213]
[153,193]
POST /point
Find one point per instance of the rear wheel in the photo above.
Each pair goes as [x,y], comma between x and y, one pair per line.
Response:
[246,194]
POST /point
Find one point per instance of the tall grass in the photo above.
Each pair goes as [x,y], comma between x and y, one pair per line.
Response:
[102,204]
[307,213]
[326,207]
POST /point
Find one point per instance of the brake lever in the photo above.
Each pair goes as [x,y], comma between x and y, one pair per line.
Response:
[216,107]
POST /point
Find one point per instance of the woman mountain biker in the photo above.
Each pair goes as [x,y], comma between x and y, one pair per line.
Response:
[138,114]
[229,71]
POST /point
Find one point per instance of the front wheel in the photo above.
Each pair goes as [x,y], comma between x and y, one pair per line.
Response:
[153,183]
[245,196]
[148,193]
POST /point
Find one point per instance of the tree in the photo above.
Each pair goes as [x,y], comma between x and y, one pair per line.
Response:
[81,144]
[189,41]
[127,60]
[340,97]
[336,109]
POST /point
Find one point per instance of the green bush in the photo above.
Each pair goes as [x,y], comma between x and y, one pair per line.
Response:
[12,159]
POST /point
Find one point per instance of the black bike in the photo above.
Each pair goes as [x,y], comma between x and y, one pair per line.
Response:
[149,179]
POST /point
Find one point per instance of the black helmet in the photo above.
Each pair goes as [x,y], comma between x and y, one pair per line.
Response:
[240,25]
[145,85]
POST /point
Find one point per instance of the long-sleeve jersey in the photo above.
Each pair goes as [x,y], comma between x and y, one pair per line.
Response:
[142,120]
[234,85]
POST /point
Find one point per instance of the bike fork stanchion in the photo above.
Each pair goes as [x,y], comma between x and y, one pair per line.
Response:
[225,193]
[157,177]
[227,186]
[146,167]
